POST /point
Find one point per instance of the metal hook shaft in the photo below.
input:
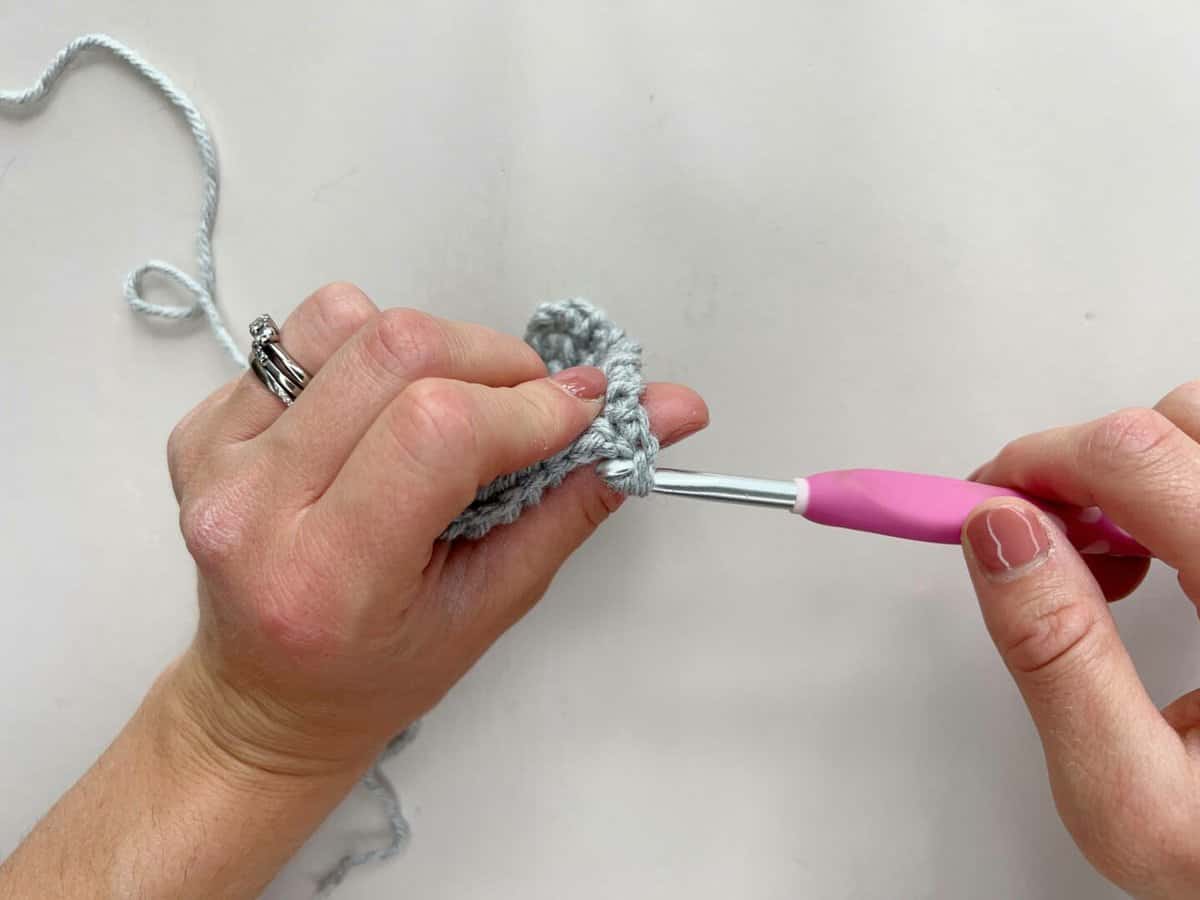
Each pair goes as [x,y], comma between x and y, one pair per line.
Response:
[710,486]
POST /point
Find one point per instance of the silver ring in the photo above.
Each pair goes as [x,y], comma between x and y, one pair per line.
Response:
[274,366]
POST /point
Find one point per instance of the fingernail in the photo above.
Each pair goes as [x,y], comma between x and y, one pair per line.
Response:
[582,382]
[1006,540]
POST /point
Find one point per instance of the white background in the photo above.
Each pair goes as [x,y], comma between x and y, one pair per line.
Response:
[870,233]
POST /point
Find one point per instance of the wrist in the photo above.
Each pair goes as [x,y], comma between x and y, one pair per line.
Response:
[243,740]
[187,803]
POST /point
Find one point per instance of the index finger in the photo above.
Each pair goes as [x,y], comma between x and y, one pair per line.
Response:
[1135,464]
[421,462]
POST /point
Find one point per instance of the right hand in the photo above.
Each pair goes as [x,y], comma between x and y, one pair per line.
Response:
[1125,775]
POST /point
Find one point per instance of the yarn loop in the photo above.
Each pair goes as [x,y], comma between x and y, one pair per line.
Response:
[203,291]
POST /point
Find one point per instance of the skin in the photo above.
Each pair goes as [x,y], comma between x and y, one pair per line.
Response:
[1124,774]
[331,617]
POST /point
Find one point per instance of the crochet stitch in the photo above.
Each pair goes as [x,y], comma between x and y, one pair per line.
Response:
[565,334]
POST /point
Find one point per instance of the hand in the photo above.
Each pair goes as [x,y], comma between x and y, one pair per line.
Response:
[1125,776]
[331,615]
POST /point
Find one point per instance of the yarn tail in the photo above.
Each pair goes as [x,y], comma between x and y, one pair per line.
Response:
[202,290]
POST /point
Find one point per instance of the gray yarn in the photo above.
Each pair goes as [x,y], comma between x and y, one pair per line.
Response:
[565,334]
[380,785]
[204,291]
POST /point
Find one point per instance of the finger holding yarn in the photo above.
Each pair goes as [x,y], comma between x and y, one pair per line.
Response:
[565,334]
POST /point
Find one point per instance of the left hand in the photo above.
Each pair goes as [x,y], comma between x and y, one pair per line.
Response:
[332,616]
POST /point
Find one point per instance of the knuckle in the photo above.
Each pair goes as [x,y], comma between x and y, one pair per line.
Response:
[216,526]
[1007,454]
[1127,440]
[435,418]
[299,624]
[1051,634]
[1014,457]
[406,342]
[340,307]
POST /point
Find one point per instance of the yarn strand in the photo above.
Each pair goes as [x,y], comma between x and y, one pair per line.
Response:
[377,782]
[202,291]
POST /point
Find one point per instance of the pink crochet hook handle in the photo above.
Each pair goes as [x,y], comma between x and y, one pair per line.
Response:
[932,508]
[900,504]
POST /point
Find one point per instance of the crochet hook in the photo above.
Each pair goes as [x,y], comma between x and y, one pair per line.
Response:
[899,504]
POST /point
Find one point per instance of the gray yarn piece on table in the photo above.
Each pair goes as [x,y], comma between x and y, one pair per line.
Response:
[381,787]
[565,334]
[204,291]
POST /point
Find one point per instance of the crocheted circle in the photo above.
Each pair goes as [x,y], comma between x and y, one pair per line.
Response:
[565,334]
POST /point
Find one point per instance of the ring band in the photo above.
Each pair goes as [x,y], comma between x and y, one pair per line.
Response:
[274,366]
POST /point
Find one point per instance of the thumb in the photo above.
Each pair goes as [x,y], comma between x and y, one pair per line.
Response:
[526,554]
[1050,622]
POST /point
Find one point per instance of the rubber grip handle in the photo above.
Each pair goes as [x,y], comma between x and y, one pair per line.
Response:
[932,508]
